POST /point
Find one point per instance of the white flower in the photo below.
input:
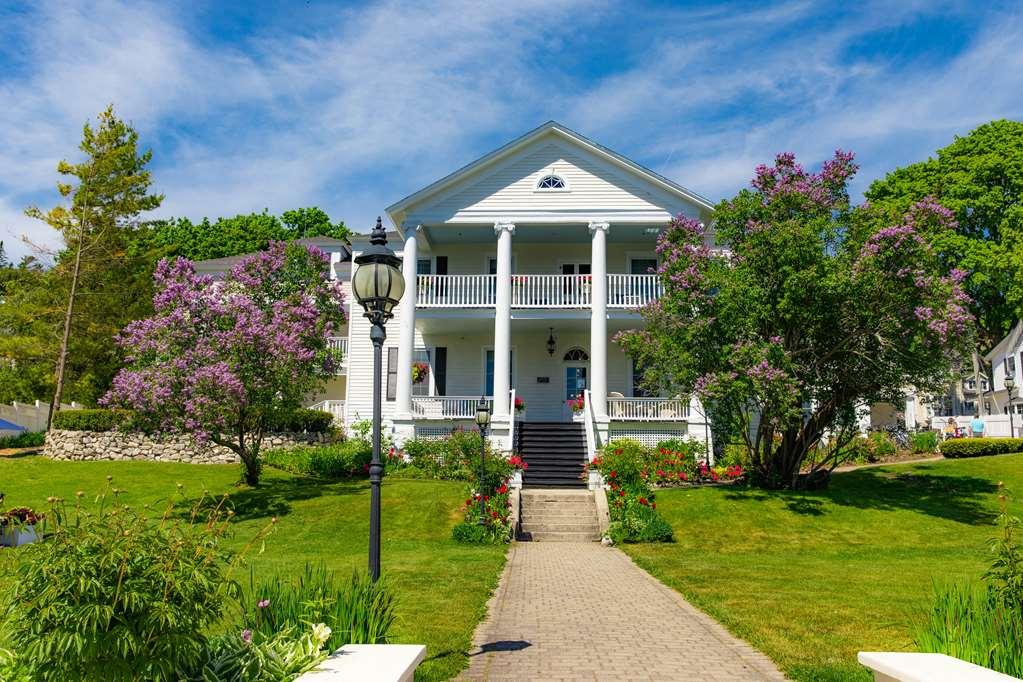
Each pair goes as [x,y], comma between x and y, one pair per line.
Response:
[321,632]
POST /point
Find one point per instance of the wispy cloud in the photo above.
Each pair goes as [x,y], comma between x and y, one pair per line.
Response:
[366,104]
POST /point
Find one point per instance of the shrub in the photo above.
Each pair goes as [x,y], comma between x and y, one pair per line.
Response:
[119,593]
[966,622]
[235,657]
[357,610]
[984,626]
[981,447]
[494,505]
[735,453]
[924,442]
[91,420]
[880,445]
[624,465]
[337,460]
[27,439]
[303,420]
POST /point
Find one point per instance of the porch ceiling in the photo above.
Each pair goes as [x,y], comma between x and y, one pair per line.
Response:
[574,230]
[481,322]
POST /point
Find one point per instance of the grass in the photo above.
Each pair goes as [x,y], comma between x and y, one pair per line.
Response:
[441,587]
[811,578]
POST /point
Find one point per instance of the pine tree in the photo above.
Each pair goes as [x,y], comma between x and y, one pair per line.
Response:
[106,192]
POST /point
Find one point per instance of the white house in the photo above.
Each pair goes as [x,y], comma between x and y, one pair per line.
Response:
[1006,361]
[519,269]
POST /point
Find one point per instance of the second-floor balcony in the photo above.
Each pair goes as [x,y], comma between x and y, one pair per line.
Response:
[338,347]
[534,291]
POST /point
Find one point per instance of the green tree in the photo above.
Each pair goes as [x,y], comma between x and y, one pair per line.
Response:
[815,307]
[313,222]
[979,178]
[98,274]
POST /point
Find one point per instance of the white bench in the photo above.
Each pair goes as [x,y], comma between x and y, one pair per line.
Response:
[369,663]
[909,667]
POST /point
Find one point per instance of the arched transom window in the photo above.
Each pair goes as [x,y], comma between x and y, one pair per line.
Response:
[550,182]
[576,355]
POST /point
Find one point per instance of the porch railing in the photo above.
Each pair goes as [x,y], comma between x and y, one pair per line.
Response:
[632,291]
[534,291]
[335,407]
[446,406]
[338,346]
[647,409]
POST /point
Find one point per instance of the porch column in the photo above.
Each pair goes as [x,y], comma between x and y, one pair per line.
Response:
[598,319]
[407,332]
[502,320]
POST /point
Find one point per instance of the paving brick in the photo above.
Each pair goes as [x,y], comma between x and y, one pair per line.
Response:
[581,611]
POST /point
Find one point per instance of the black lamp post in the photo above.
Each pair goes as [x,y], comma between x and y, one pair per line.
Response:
[377,286]
[483,422]
[1010,385]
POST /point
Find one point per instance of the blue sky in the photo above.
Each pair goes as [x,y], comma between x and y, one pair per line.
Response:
[352,106]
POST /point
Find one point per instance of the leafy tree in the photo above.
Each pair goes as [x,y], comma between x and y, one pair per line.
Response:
[980,179]
[815,307]
[246,233]
[223,362]
[95,271]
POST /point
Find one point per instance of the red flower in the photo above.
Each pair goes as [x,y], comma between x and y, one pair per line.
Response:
[682,476]
[502,490]
[653,505]
[618,451]
[621,493]
[660,472]
[613,473]
[642,501]
[493,514]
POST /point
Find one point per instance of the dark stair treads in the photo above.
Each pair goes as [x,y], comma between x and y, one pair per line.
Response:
[555,453]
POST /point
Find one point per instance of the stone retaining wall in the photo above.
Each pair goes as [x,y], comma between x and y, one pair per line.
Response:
[121,445]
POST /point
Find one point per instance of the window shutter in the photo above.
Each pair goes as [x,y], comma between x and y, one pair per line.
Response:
[440,370]
[392,372]
[442,265]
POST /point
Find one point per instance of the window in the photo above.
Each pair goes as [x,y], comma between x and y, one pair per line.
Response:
[576,355]
[1010,366]
[642,266]
[488,372]
[551,182]
[424,266]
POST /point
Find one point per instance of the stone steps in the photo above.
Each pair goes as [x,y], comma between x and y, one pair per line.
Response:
[558,515]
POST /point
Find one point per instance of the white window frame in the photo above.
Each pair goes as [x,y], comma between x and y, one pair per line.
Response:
[551,190]
[639,255]
[431,386]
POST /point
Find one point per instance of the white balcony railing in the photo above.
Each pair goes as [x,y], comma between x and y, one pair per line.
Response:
[632,291]
[446,406]
[335,407]
[534,291]
[647,409]
[551,291]
[338,345]
[456,291]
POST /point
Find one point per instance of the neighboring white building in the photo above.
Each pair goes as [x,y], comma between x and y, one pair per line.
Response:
[550,236]
[1006,360]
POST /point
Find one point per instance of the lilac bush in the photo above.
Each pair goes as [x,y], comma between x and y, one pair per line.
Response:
[812,306]
[221,360]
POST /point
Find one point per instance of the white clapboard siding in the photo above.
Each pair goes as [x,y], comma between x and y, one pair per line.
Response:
[510,186]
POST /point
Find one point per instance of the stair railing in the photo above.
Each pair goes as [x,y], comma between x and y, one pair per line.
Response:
[511,425]
[588,426]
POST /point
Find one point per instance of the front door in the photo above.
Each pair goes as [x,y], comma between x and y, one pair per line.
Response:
[575,383]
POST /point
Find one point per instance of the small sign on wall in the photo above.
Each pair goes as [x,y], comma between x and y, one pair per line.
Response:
[543,380]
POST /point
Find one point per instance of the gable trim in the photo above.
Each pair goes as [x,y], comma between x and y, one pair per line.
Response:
[395,211]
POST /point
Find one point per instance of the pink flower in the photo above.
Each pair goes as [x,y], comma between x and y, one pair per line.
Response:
[263,603]
[247,635]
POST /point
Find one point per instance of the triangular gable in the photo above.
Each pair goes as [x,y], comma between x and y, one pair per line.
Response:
[503,183]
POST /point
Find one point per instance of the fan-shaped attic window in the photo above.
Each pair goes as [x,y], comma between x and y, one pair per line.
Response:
[551,182]
[576,355]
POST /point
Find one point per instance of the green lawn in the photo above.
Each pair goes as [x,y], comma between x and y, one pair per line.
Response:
[812,578]
[442,587]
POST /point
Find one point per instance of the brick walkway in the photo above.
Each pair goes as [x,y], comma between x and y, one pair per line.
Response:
[580,611]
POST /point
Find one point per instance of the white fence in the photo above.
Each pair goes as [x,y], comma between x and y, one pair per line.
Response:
[534,291]
[647,409]
[31,416]
[995,425]
[335,407]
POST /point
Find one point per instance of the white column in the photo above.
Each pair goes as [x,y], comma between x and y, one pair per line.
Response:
[502,320]
[407,330]
[598,320]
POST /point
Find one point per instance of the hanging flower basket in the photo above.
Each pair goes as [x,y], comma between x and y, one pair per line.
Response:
[420,370]
[577,405]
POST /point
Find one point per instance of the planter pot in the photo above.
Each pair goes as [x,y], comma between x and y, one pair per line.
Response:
[14,536]
[578,417]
